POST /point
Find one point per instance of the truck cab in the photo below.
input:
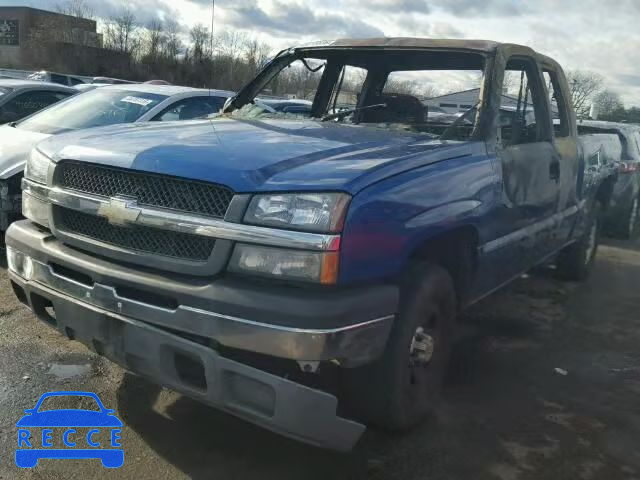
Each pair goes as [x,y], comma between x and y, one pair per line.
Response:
[248,257]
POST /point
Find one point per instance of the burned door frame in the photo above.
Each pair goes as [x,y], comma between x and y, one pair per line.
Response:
[529,172]
[565,139]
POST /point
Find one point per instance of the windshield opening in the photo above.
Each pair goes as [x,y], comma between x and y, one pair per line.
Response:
[427,91]
[95,108]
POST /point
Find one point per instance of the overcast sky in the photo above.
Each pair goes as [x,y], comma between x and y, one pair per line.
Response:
[587,34]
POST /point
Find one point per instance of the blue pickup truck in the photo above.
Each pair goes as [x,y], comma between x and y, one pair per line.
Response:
[303,271]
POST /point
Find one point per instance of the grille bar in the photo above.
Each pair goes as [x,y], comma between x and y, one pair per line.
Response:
[148,188]
[139,238]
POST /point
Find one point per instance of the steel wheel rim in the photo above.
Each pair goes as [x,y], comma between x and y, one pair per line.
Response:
[422,347]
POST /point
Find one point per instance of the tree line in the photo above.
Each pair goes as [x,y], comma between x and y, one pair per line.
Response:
[229,59]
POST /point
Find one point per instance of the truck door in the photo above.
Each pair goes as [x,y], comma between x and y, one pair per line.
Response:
[565,141]
[530,164]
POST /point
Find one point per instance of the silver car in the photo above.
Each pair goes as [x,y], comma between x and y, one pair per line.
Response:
[100,107]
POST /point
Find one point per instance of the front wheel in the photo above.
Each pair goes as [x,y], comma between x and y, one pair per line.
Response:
[400,388]
[576,261]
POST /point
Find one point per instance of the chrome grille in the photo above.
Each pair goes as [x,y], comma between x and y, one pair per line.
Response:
[139,238]
[147,188]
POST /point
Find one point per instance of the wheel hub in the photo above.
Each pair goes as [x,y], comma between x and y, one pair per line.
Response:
[422,347]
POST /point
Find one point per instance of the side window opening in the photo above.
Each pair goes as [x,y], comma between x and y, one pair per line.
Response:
[290,92]
[559,112]
[346,92]
[521,116]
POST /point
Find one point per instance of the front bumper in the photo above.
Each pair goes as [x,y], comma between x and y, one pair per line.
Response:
[350,326]
[275,403]
[123,314]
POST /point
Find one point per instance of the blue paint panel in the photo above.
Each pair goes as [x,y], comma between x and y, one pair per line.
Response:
[253,156]
[389,220]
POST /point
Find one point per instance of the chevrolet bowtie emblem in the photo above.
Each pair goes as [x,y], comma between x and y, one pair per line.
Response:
[120,210]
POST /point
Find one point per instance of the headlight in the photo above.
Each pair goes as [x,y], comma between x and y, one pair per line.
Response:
[318,267]
[35,209]
[37,167]
[312,212]
[19,263]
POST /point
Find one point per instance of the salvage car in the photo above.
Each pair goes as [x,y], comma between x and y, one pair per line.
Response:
[622,217]
[106,105]
[249,259]
[21,98]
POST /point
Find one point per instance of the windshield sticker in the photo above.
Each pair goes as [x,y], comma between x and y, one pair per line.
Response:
[137,100]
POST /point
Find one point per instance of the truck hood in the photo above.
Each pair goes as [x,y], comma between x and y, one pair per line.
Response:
[15,145]
[252,155]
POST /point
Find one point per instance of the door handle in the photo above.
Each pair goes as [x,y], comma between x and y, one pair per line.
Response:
[554,170]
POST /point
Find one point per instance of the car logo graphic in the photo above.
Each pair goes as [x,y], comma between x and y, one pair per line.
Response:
[27,453]
[120,210]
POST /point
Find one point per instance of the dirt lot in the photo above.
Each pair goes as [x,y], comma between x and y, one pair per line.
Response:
[508,414]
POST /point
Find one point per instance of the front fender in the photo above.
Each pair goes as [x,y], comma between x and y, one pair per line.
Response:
[389,220]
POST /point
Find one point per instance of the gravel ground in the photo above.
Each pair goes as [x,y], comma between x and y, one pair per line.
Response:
[507,412]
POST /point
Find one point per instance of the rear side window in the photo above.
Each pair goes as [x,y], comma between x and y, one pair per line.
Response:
[190,108]
[61,79]
[522,116]
[558,105]
[30,102]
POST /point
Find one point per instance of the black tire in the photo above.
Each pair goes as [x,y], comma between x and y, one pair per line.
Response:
[576,260]
[400,388]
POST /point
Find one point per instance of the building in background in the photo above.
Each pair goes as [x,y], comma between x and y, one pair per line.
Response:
[458,102]
[34,39]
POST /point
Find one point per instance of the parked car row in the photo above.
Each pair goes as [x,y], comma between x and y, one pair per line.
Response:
[300,264]
[109,105]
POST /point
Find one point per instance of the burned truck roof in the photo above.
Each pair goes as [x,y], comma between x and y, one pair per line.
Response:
[487,47]
[415,42]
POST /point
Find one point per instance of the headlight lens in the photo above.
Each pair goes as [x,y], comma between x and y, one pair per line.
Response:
[287,264]
[312,212]
[37,167]
[19,263]
[35,209]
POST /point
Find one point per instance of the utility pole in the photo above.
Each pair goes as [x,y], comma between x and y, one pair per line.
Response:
[213,66]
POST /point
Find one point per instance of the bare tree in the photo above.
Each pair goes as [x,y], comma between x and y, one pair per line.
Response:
[256,54]
[173,44]
[154,39]
[121,33]
[607,102]
[411,87]
[200,37]
[76,8]
[230,47]
[584,86]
